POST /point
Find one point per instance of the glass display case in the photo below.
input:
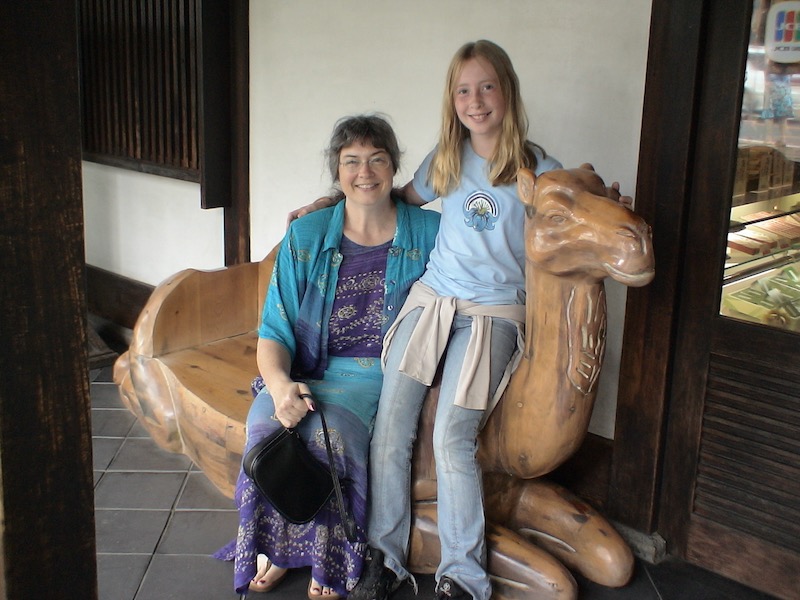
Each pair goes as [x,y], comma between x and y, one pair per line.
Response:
[761,277]
[761,281]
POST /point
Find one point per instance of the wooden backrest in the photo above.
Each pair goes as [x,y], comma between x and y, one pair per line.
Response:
[196,307]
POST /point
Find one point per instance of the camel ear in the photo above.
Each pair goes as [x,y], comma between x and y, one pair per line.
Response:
[587,166]
[526,182]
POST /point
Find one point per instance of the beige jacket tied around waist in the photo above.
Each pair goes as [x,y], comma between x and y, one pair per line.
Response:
[429,340]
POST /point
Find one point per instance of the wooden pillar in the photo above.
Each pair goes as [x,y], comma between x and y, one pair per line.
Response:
[237,215]
[661,191]
[48,536]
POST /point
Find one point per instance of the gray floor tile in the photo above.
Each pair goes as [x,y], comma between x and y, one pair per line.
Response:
[138,431]
[111,422]
[136,531]
[103,374]
[104,450]
[138,490]
[143,454]
[198,531]
[105,395]
[172,577]
[119,575]
[158,519]
[199,492]
[639,588]
[677,580]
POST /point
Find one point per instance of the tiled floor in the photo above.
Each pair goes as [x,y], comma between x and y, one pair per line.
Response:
[158,519]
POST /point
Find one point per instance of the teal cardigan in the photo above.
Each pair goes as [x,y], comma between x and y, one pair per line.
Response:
[301,290]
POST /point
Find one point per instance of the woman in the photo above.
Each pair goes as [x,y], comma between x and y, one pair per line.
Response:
[339,279]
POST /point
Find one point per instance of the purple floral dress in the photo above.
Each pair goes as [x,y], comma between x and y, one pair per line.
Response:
[348,392]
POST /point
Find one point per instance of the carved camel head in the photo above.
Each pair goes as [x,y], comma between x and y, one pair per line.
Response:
[574,229]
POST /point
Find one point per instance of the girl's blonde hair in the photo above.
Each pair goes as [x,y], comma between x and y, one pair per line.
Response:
[513,150]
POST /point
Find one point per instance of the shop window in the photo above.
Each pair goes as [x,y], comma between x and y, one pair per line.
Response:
[761,281]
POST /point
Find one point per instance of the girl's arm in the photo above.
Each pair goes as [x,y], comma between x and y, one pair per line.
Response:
[409,194]
[274,364]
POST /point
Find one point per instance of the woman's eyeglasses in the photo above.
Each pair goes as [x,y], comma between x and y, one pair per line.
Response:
[376,163]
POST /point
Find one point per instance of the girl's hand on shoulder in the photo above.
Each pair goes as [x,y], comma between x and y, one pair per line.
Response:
[292,403]
[308,208]
[614,193]
[323,202]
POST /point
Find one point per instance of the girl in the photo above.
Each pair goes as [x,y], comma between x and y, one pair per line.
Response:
[467,310]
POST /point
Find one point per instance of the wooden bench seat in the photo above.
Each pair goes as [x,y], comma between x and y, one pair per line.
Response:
[187,373]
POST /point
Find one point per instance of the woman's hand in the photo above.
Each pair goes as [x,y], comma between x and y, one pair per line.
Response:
[292,403]
[292,399]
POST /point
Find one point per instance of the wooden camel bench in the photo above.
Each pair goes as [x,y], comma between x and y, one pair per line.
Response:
[192,357]
[187,379]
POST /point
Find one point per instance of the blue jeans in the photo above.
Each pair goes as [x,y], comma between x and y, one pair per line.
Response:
[460,489]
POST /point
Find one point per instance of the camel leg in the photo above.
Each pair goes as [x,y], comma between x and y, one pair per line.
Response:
[518,569]
[564,525]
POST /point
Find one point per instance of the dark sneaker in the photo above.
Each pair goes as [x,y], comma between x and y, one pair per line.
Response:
[377,581]
[448,588]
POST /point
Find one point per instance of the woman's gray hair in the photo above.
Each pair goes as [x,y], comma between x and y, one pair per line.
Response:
[372,129]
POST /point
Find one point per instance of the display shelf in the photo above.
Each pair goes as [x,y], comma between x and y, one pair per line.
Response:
[761,279]
[762,235]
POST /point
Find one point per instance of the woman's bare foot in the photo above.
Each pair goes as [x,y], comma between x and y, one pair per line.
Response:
[316,591]
[268,575]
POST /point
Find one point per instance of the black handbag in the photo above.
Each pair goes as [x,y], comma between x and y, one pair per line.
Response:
[292,480]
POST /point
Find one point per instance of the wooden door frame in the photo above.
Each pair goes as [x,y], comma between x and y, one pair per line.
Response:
[718,118]
[700,527]
[687,161]
[662,191]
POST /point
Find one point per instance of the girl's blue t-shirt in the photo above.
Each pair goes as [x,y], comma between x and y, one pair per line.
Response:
[479,253]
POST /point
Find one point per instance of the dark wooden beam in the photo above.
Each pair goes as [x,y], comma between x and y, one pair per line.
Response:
[214,103]
[699,326]
[237,215]
[48,532]
[661,195]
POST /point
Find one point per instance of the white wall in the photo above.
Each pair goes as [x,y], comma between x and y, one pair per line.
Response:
[147,227]
[581,66]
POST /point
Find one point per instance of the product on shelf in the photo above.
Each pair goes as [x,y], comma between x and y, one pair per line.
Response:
[773,300]
[746,245]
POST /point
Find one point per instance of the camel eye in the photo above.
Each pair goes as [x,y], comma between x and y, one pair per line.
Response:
[557,219]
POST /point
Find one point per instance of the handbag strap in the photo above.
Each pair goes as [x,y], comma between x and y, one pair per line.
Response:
[347,521]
